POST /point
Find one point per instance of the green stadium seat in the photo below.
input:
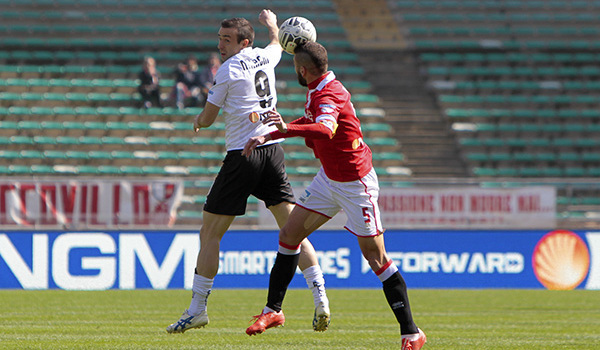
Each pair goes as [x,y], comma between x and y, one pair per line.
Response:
[507,171]
[90,140]
[190,155]
[154,170]
[574,171]
[99,155]
[9,126]
[5,154]
[130,170]
[87,170]
[31,154]
[169,155]
[568,156]
[21,140]
[54,155]
[109,170]
[41,169]
[202,171]
[110,140]
[590,157]
[19,169]
[44,140]
[477,157]
[77,155]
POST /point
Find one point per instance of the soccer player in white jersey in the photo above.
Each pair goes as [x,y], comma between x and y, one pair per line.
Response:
[345,181]
[244,89]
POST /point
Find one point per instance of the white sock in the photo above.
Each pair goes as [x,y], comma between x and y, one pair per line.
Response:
[267,309]
[411,337]
[316,283]
[201,288]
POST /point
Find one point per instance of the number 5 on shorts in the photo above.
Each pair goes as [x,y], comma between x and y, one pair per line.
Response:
[366,215]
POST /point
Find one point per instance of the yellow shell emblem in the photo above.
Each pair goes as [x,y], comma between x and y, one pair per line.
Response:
[561,260]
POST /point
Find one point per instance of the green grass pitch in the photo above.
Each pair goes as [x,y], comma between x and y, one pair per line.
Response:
[361,319]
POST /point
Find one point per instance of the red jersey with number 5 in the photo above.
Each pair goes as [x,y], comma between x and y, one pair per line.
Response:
[332,129]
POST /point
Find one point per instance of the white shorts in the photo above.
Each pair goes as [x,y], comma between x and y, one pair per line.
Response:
[357,198]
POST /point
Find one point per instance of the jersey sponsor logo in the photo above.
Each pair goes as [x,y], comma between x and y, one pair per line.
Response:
[255,116]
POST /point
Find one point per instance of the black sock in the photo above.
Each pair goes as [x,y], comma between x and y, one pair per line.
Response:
[397,296]
[281,276]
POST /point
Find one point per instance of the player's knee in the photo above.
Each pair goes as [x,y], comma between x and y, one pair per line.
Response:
[290,237]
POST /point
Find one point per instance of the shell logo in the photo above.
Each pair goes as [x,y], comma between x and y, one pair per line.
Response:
[561,260]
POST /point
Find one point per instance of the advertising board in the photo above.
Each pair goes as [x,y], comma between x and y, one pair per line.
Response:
[101,260]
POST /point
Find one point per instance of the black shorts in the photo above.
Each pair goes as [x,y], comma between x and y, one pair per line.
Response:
[261,175]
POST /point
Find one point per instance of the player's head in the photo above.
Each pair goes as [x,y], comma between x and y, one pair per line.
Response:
[235,34]
[310,60]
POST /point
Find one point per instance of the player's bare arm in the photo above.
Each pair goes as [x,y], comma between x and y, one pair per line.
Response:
[269,20]
[207,117]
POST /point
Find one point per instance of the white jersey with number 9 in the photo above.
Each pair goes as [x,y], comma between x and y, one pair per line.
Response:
[245,83]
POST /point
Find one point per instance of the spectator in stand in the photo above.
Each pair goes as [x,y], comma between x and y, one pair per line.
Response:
[188,88]
[149,87]
[207,76]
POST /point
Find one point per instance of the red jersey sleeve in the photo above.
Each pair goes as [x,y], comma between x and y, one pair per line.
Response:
[313,131]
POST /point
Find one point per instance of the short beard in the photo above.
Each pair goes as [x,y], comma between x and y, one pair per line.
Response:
[301,80]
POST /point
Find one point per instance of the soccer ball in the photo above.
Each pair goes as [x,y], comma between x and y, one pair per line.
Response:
[294,31]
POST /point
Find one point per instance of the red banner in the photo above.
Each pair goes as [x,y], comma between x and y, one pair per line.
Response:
[84,204]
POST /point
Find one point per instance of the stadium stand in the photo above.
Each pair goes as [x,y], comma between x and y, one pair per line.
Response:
[498,93]
[69,101]
[517,84]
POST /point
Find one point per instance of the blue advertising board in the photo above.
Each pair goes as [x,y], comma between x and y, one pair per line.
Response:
[427,259]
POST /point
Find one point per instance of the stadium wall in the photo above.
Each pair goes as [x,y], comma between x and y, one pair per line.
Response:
[99,260]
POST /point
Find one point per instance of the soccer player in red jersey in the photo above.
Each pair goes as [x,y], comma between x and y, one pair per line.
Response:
[346,180]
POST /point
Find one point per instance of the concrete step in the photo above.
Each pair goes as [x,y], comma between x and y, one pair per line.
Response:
[412,111]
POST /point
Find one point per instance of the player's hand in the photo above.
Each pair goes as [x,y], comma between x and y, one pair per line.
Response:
[253,143]
[197,123]
[267,18]
[274,118]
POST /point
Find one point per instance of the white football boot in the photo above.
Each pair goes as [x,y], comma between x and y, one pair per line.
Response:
[188,321]
[321,318]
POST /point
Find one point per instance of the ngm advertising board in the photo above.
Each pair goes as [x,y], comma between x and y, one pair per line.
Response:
[427,259]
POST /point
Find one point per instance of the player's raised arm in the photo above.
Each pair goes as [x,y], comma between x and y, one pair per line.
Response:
[269,20]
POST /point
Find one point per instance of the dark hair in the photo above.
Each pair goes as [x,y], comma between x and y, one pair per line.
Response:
[313,56]
[244,28]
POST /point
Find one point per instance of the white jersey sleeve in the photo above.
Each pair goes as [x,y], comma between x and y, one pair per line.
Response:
[245,83]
